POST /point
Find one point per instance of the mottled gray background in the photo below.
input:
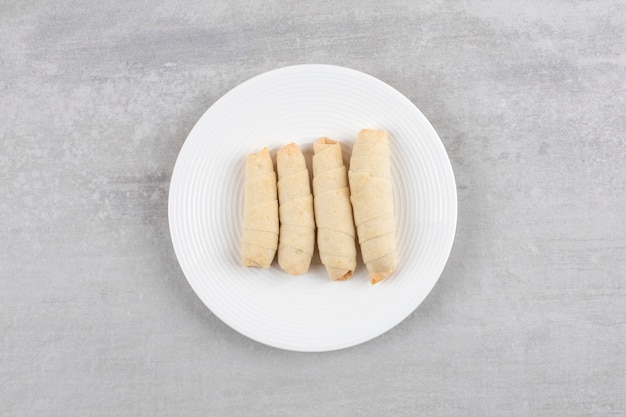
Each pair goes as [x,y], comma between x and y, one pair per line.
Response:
[529,316]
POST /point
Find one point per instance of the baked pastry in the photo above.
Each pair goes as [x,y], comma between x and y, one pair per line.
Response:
[296,239]
[372,202]
[260,213]
[333,212]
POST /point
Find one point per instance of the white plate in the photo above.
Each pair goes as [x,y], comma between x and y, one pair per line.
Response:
[300,104]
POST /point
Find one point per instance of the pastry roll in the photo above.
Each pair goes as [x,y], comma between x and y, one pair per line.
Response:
[333,212]
[372,203]
[296,239]
[260,211]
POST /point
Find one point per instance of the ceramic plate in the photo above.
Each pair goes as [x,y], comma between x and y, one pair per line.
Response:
[300,104]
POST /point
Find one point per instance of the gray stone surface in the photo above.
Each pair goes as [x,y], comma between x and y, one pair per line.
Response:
[97,319]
